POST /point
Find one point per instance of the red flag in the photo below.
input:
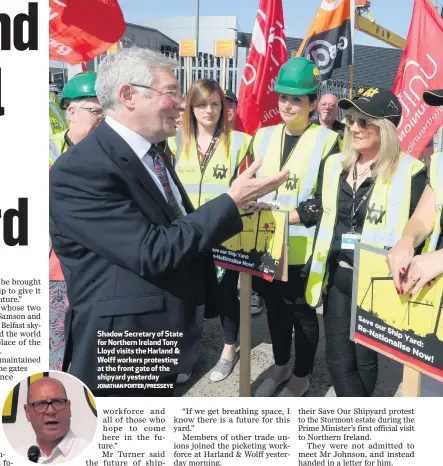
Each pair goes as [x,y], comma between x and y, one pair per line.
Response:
[257,101]
[421,68]
[80,30]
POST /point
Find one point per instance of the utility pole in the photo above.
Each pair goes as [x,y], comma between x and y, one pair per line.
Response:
[197,20]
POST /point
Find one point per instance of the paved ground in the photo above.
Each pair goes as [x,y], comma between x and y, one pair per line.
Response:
[389,379]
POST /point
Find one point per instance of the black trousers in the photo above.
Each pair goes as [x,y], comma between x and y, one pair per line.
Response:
[353,367]
[230,306]
[287,311]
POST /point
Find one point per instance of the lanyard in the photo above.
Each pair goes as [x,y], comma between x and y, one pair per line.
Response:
[67,142]
[209,151]
[354,209]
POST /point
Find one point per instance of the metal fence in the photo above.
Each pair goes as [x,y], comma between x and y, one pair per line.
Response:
[209,67]
[340,89]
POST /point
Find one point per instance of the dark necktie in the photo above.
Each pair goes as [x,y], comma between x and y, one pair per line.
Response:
[162,174]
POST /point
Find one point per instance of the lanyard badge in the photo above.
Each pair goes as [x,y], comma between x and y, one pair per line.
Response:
[350,239]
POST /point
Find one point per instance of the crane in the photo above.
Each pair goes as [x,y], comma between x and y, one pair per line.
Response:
[370,27]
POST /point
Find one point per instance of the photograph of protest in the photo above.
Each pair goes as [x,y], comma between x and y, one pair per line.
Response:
[49,417]
[207,191]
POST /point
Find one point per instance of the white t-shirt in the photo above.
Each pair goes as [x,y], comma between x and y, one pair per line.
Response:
[70,447]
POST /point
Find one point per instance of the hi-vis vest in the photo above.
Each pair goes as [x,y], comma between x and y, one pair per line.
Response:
[387,214]
[57,145]
[303,163]
[57,120]
[203,186]
[436,181]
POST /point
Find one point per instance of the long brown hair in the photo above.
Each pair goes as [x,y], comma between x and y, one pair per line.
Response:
[198,94]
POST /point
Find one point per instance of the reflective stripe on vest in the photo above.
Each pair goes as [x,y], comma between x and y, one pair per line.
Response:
[178,145]
[300,230]
[215,189]
[236,144]
[266,139]
[303,162]
[314,162]
[318,265]
[436,181]
[391,234]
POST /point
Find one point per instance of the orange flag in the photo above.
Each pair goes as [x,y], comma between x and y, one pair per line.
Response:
[329,42]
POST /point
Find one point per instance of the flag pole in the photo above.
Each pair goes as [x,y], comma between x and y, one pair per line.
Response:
[351,80]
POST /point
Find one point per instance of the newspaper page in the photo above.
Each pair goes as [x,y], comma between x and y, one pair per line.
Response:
[50,417]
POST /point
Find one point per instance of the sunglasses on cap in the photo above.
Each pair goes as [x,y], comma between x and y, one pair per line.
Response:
[362,122]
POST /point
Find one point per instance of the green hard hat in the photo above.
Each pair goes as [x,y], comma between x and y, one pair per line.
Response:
[82,85]
[298,76]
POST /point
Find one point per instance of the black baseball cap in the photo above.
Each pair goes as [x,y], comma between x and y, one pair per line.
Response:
[230,95]
[433,98]
[375,102]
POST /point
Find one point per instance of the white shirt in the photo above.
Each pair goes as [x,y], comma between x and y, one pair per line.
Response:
[70,447]
[140,146]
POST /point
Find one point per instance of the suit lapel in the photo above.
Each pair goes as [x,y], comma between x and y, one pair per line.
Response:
[121,153]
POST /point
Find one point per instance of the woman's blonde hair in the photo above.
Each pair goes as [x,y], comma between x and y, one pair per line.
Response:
[388,155]
[199,93]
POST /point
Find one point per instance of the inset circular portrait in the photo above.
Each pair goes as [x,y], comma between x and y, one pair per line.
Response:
[49,418]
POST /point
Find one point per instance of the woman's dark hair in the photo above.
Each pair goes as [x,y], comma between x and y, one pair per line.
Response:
[312,98]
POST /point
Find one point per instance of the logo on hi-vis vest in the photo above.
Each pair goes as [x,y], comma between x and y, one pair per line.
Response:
[56,126]
[220,173]
[375,215]
[291,183]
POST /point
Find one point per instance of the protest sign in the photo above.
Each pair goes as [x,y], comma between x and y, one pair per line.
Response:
[409,330]
[260,249]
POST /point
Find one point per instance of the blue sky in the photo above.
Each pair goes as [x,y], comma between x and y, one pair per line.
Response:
[392,14]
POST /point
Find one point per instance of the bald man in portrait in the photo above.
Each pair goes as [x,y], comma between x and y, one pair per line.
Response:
[48,409]
[327,114]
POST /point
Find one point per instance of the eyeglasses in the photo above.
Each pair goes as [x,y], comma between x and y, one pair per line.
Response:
[97,112]
[173,94]
[362,122]
[58,404]
[328,107]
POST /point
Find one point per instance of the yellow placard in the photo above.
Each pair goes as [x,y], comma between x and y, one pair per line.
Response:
[408,329]
[188,48]
[224,48]
[261,248]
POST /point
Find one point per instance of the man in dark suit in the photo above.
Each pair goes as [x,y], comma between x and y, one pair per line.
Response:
[133,251]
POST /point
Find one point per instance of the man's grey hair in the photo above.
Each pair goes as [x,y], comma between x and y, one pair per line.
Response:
[128,65]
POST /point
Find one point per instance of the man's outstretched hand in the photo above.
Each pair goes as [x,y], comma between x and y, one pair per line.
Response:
[246,188]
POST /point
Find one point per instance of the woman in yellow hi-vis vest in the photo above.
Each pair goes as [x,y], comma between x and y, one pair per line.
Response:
[83,113]
[367,194]
[299,146]
[411,273]
[206,156]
